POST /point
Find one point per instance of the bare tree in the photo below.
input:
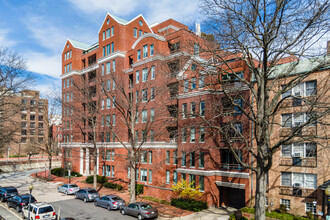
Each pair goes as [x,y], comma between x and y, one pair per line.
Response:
[262,34]
[13,78]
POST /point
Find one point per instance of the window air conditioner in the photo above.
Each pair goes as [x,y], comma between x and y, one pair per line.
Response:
[297,185]
[297,155]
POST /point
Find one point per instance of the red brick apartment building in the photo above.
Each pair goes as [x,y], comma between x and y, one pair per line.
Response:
[157,58]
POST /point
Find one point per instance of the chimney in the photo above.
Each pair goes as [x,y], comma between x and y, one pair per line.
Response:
[328,47]
[198,30]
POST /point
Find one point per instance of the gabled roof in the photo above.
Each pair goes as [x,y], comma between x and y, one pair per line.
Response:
[79,45]
[123,21]
[118,19]
[301,66]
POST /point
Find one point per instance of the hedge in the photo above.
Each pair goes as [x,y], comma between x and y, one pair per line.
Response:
[139,189]
[191,205]
[99,179]
[60,172]
[113,186]
[275,214]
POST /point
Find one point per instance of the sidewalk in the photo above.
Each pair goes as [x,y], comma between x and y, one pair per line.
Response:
[166,212]
[7,215]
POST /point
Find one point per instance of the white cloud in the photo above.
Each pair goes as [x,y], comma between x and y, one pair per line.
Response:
[161,10]
[42,63]
[5,39]
[118,7]
[154,11]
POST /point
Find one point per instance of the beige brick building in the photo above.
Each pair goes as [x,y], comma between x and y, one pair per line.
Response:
[24,122]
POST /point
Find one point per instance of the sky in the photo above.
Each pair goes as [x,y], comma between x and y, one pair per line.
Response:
[38,29]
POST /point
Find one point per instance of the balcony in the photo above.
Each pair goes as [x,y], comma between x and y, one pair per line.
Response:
[299,192]
[302,162]
[230,166]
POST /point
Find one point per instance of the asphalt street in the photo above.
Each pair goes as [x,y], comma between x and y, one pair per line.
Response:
[47,192]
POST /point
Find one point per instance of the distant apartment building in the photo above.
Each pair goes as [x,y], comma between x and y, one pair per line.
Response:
[181,145]
[301,169]
[24,115]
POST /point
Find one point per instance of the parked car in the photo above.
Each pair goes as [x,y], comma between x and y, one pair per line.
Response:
[68,189]
[142,210]
[87,194]
[109,202]
[19,201]
[67,218]
[39,211]
[7,192]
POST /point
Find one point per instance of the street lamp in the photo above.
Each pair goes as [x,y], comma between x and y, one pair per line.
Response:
[30,189]
[327,192]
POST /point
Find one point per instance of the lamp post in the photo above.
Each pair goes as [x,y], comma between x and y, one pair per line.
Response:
[327,192]
[30,189]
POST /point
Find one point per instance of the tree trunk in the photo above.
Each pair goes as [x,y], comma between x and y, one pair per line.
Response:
[133,176]
[49,167]
[260,195]
[94,167]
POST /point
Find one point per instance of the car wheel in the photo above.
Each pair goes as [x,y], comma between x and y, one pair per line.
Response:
[109,208]
[23,216]
[2,199]
[122,212]
[66,192]
[140,217]
[85,199]
[18,209]
[95,203]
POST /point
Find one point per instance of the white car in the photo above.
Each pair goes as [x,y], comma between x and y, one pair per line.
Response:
[39,211]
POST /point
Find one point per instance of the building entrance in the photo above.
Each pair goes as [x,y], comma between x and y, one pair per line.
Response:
[232,197]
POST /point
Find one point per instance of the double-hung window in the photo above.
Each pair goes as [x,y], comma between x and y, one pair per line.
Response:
[192,135]
[135,32]
[151,50]
[183,158]
[144,95]
[167,177]
[139,55]
[184,135]
[144,116]
[168,157]
[201,82]
[184,110]
[185,85]
[143,175]
[137,77]
[144,74]
[145,51]
[192,159]
[153,74]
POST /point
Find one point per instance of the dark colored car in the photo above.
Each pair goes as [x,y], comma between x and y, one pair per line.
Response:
[142,210]
[109,202]
[7,192]
[87,194]
[19,201]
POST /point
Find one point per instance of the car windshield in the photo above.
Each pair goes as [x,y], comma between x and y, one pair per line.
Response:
[146,206]
[12,190]
[116,198]
[73,186]
[92,191]
[45,209]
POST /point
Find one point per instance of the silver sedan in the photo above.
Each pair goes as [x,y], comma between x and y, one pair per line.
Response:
[110,202]
[68,189]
